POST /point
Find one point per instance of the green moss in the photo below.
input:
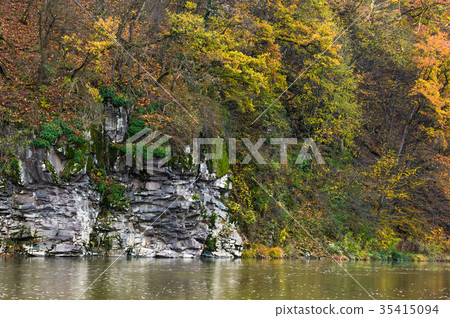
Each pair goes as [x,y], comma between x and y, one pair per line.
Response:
[196,197]
[52,170]
[113,154]
[210,244]
[78,159]
[98,146]
[160,152]
[182,162]
[210,219]
[72,167]
[222,166]
[13,170]
[89,164]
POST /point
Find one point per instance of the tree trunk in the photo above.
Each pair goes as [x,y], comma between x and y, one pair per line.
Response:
[413,113]
[26,14]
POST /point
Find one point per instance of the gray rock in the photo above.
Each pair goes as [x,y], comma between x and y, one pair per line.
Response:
[66,250]
[116,124]
[152,186]
[162,219]
[167,254]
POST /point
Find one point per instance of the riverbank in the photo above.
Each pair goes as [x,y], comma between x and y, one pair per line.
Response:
[263,252]
[414,258]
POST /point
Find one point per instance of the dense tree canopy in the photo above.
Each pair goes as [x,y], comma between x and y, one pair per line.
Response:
[367,80]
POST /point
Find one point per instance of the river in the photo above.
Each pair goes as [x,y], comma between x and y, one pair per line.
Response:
[68,278]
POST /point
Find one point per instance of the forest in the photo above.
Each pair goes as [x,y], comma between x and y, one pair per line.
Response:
[367,80]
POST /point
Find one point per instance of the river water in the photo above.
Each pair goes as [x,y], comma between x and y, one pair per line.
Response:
[68,278]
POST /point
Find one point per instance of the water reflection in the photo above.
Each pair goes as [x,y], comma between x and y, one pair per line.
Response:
[67,278]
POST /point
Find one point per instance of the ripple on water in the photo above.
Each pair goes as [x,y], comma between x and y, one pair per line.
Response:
[179,279]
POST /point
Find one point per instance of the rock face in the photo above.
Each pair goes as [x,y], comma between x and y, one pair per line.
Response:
[116,123]
[169,214]
[48,220]
[174,215]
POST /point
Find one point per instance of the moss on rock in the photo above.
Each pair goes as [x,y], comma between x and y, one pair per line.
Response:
[52,170]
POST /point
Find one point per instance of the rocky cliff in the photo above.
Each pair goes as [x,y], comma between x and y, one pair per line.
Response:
[54,207]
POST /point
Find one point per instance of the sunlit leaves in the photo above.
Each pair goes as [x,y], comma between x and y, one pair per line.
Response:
[225,54]
[433,61]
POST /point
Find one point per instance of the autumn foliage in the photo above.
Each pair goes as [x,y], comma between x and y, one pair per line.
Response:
[368,81]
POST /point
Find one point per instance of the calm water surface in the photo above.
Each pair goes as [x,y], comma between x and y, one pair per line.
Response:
[67,278]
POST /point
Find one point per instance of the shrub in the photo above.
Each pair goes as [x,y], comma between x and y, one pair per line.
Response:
[76,139]
[399,256]
[276,253]
[380,256]
[66,130]
[334,249]
[353,245]
[108,94]
[418,258]
[122,101]
[136,125]
[41,143]
[262,252]
[210,244]
[13,170]
[259,251]
[112,192]
[159,152]
[51,132]
[248,253]
[385,241]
